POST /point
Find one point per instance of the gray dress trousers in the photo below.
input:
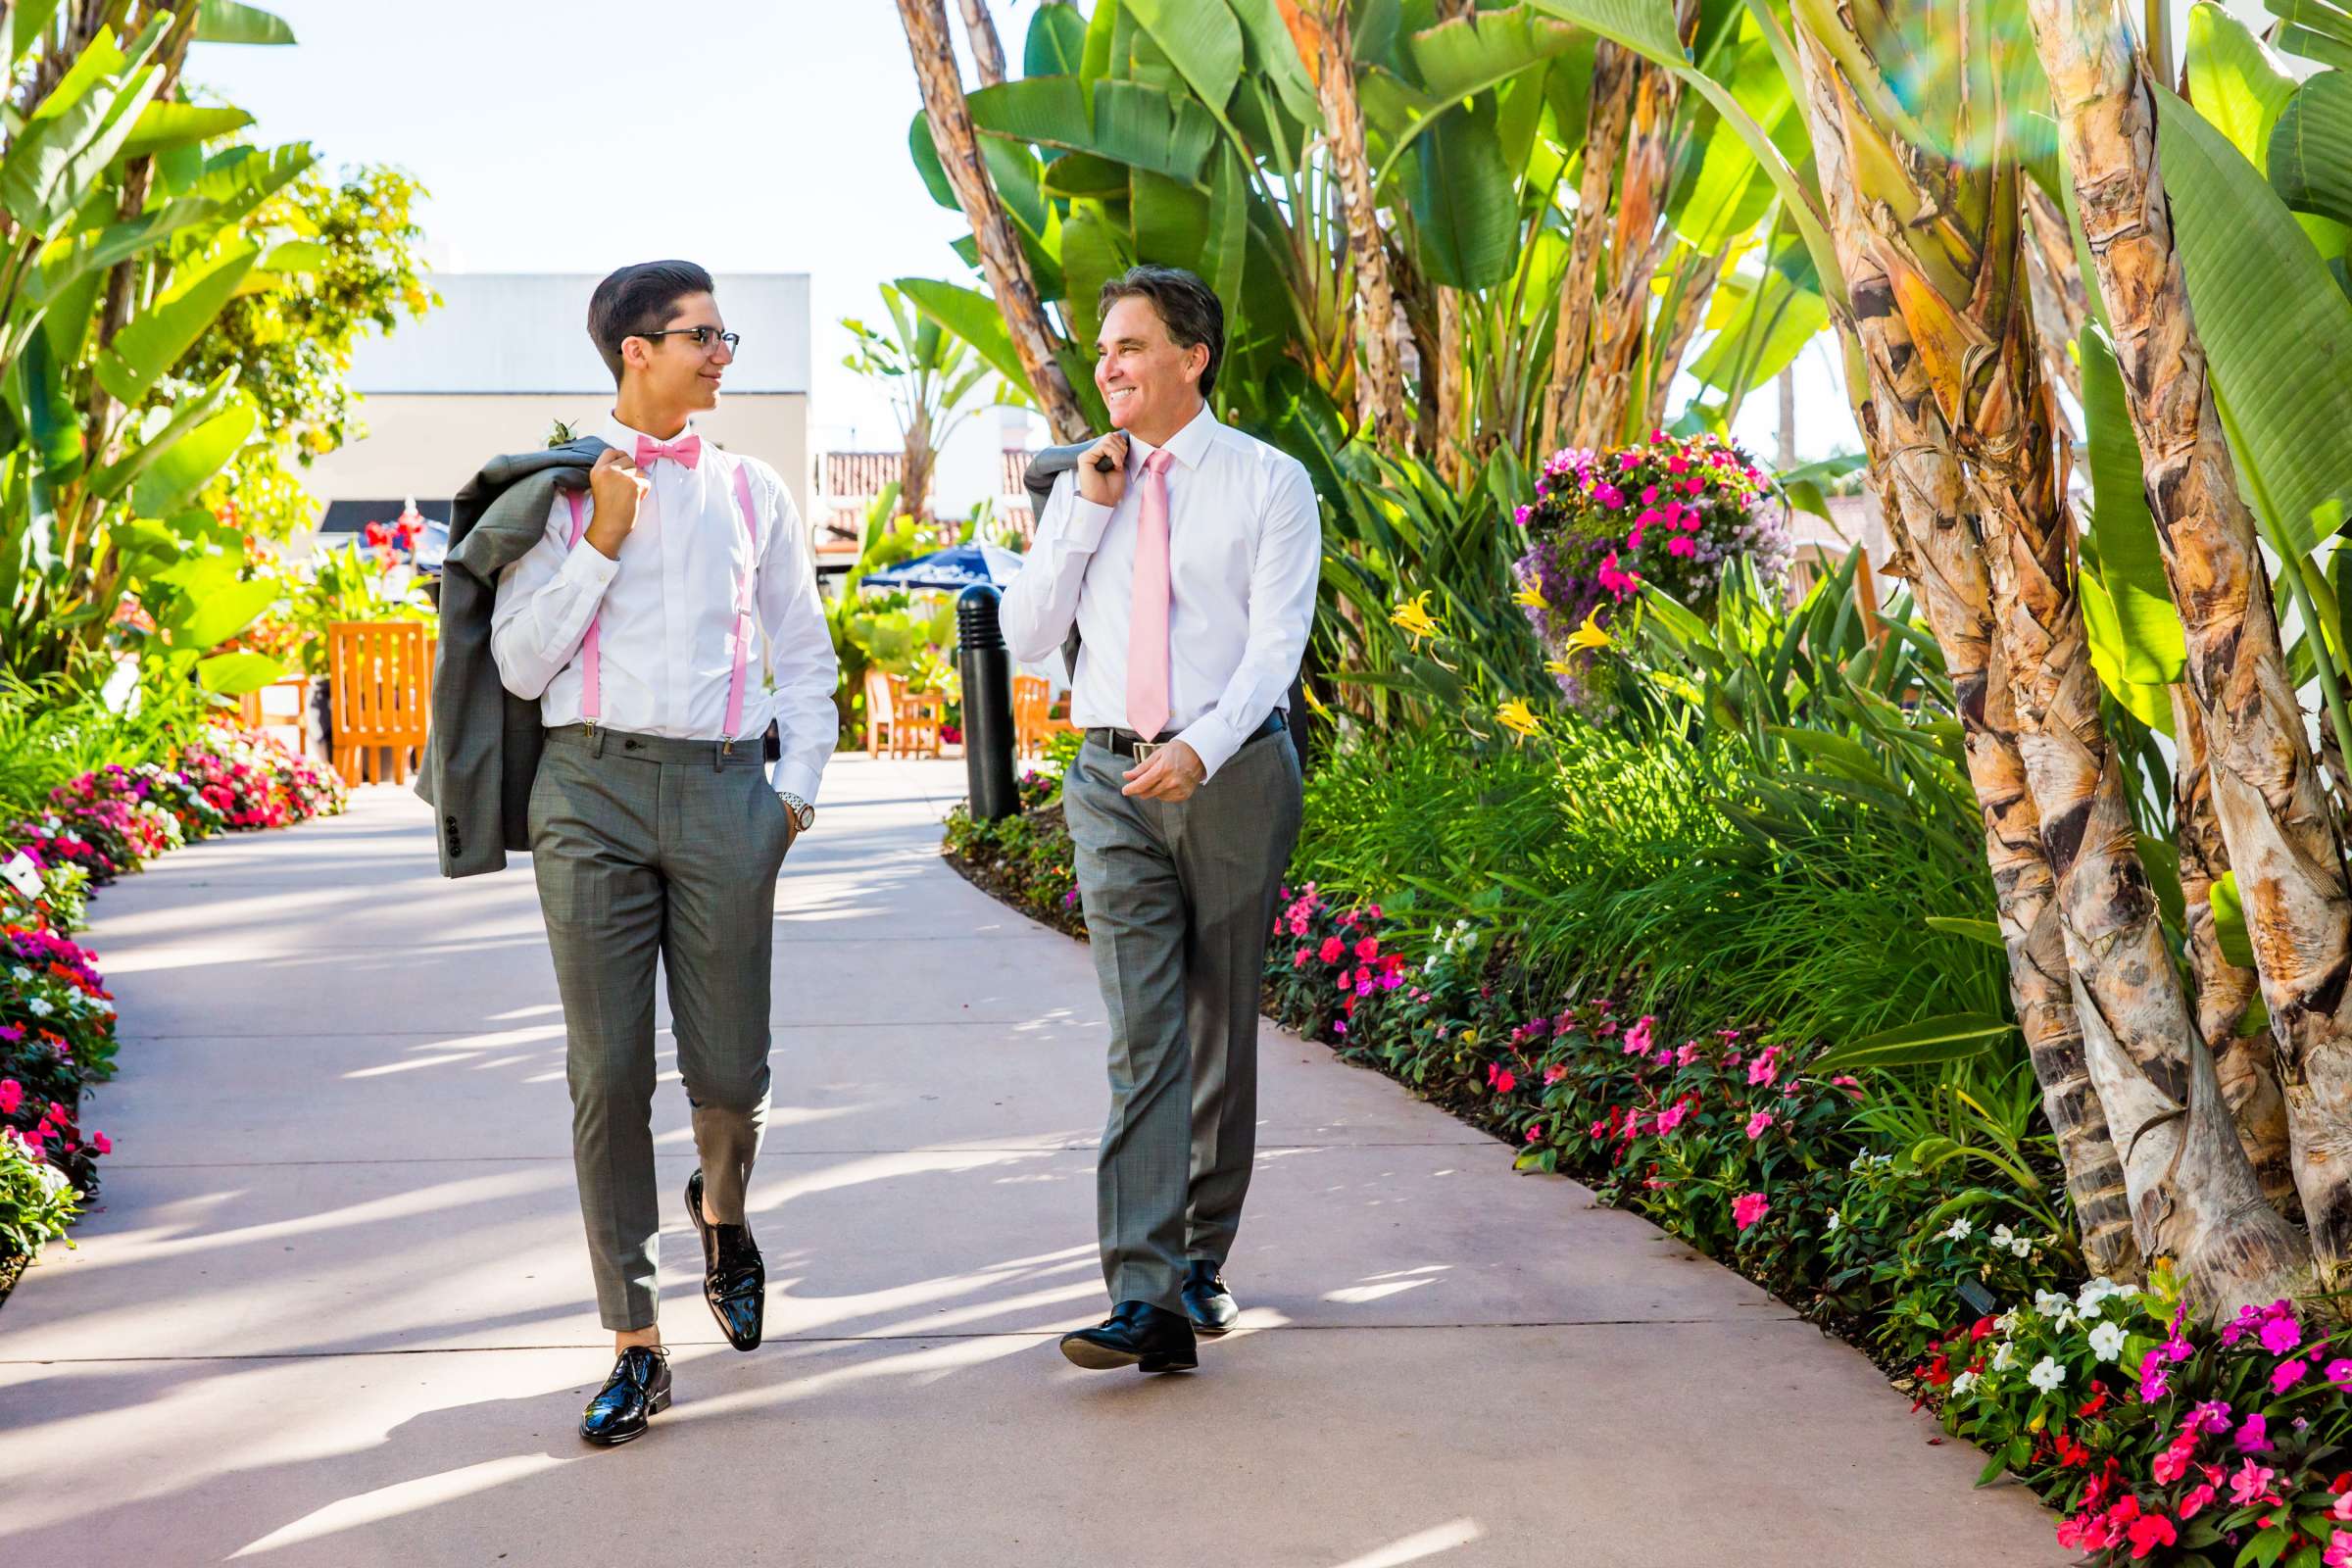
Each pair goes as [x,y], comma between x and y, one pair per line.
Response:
[647,849]
[1179,899]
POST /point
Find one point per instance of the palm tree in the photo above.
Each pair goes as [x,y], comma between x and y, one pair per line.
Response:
[2275,816]
[1967,421]
[932,377]
[1924,497]
[1000,258]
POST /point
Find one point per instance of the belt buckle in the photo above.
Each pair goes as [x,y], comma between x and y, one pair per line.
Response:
[1144,749]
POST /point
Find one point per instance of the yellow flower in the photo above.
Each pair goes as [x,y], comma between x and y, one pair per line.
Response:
[1555,666]
[1530,597]
[1414,615]
[1315,704]
[1589,634]
[1517,719]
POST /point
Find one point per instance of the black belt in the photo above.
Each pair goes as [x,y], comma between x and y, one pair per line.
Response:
[1127,743]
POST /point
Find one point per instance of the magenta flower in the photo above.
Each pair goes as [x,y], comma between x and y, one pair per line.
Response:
[2339,1370]
[2212,1415]
[1748,1209]
[2251,1482]
[12,1095]
[2254,1435]
[2281,1332]
[2286,1374]
[101,1142]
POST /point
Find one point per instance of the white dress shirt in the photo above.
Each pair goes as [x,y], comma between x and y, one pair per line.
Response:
[667,609]
[1245,548]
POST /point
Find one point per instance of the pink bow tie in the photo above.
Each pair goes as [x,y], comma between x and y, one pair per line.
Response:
[686,450]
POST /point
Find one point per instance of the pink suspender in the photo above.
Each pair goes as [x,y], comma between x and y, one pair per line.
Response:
[739,639]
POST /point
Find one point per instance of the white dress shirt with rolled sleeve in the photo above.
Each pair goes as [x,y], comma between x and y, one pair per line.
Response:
[1244,550]
[667,609]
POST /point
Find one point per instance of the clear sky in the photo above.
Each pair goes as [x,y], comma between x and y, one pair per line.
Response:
[749,135]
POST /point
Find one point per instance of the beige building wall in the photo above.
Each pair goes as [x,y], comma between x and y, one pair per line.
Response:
[428,444]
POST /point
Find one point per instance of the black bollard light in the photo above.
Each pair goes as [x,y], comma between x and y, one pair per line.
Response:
[987,671]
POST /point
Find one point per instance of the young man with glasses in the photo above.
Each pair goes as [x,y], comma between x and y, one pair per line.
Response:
[662,623]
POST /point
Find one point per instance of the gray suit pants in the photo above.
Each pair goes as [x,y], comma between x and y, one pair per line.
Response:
[650,849]
[1179,898]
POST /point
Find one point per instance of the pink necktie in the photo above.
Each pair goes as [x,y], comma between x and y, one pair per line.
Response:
[687,450]
[1148,615]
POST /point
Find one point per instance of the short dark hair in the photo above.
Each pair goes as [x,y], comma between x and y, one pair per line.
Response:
[636,300]
[1188,308]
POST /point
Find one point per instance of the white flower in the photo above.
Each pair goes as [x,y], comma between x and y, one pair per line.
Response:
[2004,1357]
[1963,1382]
[1833,1220]
[2066,1318]
[38,1007]
[2015,1244]
[2006,1322]
[1958,1230]
[2049,1303]
[2107,1340]
[2046,1375]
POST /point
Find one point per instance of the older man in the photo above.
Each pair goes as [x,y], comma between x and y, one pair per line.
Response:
[1185,555]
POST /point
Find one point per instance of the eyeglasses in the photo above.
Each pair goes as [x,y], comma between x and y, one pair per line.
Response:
[703,336]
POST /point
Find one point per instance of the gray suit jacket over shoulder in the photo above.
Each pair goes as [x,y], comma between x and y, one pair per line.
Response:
[484,743]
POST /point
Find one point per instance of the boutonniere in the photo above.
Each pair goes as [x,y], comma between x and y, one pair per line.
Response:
[559,435]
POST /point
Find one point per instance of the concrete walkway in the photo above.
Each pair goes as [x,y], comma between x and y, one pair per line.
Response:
[335,1309]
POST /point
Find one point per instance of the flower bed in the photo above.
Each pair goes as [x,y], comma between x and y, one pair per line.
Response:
[57,1020]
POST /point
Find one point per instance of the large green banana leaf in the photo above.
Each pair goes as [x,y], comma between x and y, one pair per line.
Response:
[153,342]
[1202,39]
[1055,45]
[1465,200]
[2151,648]
[189,462]
[228,22]
[2311,147]
[2276,329]
[972,317]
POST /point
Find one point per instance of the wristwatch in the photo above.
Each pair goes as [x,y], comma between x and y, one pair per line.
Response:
[803,814]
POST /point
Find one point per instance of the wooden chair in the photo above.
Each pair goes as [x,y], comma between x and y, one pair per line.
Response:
[281,706]
[1032,700]
[913,718]
[381,676]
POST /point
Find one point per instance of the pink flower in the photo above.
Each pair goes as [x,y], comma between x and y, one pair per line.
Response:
[1300,961]
[1332,948]
[2340,1551]
[2339,1370]
[2152,1384]
[2213,1415]
[1637,1039]
[1553,1074]
[2285,1374]
[1535,1134]
[1502,1078]
[2281,1332]
[1368,949]
[1680,547]
[1766,1067]
[1757,1123]
[2195,1501]
[1748,1209]
[12,1095]
[1673,1116]
[2251,1482]
[1686,1054]
[101,1142]
[2253,1437]
[1649,495]
[2172,1463]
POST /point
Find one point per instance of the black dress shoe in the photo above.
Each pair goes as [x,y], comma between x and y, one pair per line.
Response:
[638,1388]
[1206,1300]
[1137,1335]
[734,1279]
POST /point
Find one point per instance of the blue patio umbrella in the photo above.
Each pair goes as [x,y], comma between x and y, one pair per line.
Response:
[957,566]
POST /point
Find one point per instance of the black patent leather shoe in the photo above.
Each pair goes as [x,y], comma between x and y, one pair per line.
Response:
[638,1389]
[1206,1300]
[734,1279]
[1137,1335]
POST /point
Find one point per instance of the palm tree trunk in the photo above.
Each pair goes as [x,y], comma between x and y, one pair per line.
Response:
[1925,498]
[1954,278]
[1605,119]
[1001,258]
[988,51]
[2275,816]
[2244,1064]
[1637,244]
[1380,382]
[2060,306]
